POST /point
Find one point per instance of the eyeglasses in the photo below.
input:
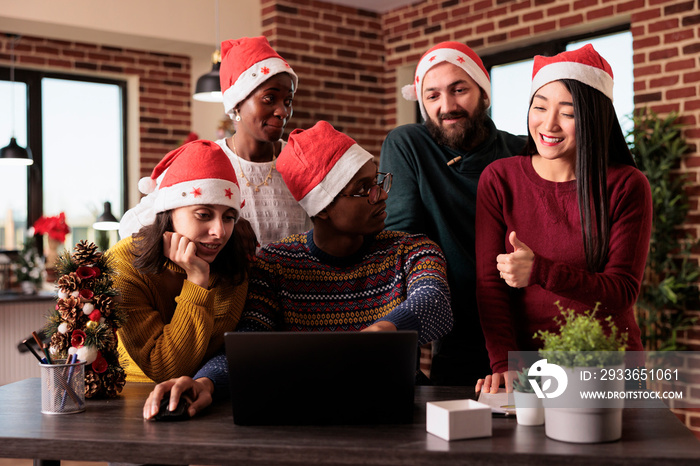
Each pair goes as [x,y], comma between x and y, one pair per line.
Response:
[374,192]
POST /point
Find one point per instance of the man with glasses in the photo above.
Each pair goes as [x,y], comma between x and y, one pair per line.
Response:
[437,166]
[363,278]
[345,274]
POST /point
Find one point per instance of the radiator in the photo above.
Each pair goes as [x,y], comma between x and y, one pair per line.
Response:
[17,321]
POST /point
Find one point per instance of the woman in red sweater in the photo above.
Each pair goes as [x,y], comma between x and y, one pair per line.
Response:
[569,221]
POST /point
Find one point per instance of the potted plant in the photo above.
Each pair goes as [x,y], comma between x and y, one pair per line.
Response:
[528,407]
[584,346]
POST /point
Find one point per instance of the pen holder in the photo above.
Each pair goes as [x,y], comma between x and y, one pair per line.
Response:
[62,388]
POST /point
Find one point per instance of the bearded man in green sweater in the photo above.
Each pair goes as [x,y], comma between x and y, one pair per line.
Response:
[437,167]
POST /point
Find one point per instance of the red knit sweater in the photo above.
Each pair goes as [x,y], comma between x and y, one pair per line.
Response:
[545,215]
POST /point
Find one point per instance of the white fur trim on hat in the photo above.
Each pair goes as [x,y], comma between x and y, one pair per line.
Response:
[251,78]
[595,77]
[213,191]
[335,180]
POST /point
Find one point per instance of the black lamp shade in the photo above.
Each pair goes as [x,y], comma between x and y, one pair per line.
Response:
[106,221]
[13,154]
[208,88]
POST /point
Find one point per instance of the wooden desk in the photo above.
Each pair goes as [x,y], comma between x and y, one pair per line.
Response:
[113,430]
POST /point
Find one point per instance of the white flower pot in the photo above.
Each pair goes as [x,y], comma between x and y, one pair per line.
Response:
[528,409]
[569,418]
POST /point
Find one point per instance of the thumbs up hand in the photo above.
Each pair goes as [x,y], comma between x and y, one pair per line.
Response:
[515,268]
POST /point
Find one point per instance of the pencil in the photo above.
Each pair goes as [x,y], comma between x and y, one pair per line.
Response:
[38,340]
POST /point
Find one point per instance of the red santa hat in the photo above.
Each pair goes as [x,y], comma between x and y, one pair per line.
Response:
[584,65]
[245,64]
[198,172]
[317,163]
[459,55]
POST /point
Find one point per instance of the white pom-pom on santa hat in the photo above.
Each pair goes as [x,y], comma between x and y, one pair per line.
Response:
[147,185]
[409,92]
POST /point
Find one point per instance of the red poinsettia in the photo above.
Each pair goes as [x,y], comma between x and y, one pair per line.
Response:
[55,227]
[77,338]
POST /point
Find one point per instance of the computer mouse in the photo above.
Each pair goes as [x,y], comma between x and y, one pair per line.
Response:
[178,414]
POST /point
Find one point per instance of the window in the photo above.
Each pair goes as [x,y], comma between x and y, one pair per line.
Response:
[511,74]
[13,179]
[76,129]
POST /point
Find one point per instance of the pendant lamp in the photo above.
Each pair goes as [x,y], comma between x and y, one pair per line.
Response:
[208,88]
[106,221]
[13,153]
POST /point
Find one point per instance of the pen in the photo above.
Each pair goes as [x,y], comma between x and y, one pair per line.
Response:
[31,350]
[72,359]
[45,347]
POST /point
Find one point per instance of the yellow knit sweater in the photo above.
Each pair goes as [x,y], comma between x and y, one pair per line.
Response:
[170,332]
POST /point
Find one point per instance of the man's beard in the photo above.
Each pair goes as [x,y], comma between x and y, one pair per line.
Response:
[464,135]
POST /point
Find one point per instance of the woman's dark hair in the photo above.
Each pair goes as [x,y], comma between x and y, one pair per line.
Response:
[231,264]
[599,143]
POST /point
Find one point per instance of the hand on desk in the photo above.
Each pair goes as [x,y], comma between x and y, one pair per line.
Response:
[199,391]
[491,382]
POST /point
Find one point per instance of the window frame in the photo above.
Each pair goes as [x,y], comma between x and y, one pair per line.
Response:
[33,79]
[549,47]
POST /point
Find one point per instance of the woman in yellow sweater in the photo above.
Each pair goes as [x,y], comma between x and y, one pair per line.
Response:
[183,279]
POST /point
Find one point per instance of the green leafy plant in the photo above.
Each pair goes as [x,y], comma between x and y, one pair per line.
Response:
[522,383]
[669,287]
[583,340]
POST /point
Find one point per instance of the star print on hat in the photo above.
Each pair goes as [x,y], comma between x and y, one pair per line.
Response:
[584,65]
[317,163]
[453,52]
[198,172]
[245,64]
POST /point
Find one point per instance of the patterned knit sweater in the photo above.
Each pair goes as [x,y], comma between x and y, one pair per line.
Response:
[170,332]
[394,277]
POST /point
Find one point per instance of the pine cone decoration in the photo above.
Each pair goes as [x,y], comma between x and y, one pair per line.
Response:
[67,307]
[69,282]
[113,383]
[86,253]
[105,304]
[92,383]
[59,342]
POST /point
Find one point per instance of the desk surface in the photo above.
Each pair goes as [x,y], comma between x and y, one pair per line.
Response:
[114,430]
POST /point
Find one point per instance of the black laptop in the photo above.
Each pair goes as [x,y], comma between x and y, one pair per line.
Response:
[296,378]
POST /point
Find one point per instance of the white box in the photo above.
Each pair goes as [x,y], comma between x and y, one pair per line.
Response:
[458,419]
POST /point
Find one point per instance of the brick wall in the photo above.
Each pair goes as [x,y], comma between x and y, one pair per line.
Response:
[164,84]
[338,54]
[347,60]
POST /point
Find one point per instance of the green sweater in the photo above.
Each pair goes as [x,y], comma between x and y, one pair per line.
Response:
[430,197]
